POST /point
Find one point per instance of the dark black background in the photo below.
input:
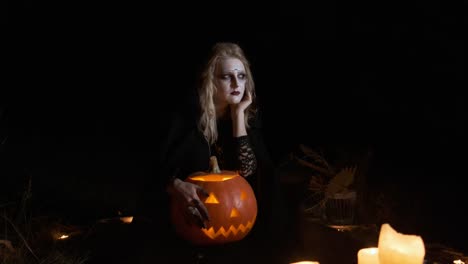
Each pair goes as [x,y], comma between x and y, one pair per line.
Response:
[89,86]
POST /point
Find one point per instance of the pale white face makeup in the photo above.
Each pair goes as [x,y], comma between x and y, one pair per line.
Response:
[230,79]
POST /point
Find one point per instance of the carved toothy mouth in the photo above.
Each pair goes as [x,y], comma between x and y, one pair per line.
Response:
[231,230]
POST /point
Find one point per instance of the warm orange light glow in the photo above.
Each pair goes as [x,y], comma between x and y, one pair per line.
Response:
[368,256]
[234,212]
[243,196]
[395,247]
[212,234]
[63,237]
[126,219]
[211,199]
[225,190]
[212,178]
[306,262]
[458,261]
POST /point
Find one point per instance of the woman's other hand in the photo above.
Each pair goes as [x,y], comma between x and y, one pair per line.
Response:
[188,195]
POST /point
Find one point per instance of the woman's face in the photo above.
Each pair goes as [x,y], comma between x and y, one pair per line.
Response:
[230,79]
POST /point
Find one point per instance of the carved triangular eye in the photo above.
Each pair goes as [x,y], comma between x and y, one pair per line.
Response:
[243,196]
[212,199]
[234,212]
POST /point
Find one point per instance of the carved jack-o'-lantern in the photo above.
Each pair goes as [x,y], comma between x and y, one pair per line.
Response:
[231,205]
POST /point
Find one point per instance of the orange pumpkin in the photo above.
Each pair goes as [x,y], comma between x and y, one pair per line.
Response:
[231,205]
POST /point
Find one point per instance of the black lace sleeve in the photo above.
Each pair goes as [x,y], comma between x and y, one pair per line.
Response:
[246,156]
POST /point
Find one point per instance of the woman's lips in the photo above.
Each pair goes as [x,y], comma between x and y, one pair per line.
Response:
[235,93]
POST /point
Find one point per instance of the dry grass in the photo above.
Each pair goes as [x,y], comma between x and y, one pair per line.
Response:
[26,239]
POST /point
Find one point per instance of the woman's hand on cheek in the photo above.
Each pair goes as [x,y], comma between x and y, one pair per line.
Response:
[239,108]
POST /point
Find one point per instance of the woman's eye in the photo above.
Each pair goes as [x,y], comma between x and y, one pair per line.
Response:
[241,76]
[225,77]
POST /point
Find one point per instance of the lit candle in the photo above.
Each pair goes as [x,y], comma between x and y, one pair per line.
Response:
[399,248]
[368,256]
[126,219]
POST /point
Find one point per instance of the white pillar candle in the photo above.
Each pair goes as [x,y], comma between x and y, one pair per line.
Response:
[397,248]
[368,256]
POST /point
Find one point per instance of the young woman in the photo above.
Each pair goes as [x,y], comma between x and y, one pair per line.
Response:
[225,123]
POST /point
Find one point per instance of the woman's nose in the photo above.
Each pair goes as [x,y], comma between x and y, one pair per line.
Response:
[235,83]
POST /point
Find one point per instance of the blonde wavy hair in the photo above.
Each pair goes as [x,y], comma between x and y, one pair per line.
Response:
[206,90]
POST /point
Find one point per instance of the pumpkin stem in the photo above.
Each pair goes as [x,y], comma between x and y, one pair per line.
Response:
[214,167]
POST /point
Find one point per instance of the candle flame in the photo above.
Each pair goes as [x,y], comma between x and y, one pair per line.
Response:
[458,261]
[63,237]
[127,219]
